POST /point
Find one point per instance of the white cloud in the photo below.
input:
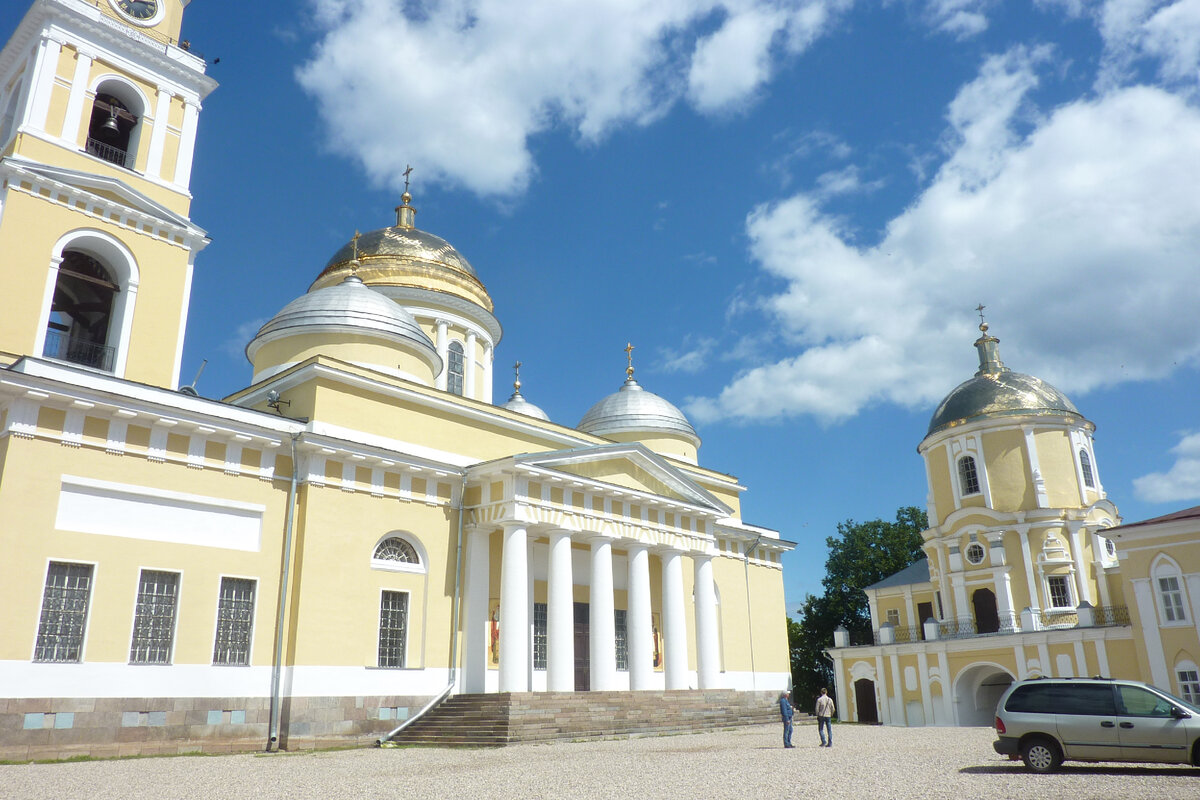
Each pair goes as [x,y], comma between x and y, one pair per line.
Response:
[959,18]
[234,346]
[691,358]
[1081,235]
[1180,482]
[459,86]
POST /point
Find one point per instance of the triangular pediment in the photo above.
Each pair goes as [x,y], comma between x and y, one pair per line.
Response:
[630,466]
[109,189]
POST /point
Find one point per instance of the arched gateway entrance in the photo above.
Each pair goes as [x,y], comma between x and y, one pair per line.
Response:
[977,690]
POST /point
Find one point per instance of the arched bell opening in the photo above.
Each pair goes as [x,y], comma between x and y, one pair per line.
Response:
[111,129]
[81,312]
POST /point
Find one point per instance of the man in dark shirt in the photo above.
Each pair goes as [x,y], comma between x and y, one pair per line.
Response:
[785,711]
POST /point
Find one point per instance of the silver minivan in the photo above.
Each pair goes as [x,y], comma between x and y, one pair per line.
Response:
[1050,720]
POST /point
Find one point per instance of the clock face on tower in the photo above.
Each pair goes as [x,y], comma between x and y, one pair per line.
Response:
[140,12]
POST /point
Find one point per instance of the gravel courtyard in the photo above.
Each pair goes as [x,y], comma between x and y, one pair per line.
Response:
[867,762]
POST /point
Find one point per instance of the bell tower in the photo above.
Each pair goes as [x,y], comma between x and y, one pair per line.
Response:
[99,101]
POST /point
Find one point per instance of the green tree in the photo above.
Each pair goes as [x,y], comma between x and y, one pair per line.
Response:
[861,554]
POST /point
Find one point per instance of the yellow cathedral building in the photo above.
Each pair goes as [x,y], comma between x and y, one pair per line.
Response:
[1027,572]
[359,531]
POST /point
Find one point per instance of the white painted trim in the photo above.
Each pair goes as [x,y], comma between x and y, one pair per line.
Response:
[74,117]
[1143,592]
[21,679]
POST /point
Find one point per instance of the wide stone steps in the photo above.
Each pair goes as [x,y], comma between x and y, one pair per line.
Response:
[495,720]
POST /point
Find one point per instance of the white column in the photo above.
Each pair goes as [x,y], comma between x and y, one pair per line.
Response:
[443,352]
[75,111]
[675,666]
[708,657]
[158,134]
[42,84]
[469,367]
[475,616]
[489,354]
[187,142]
[602,625]
[560,616]
[514,610]
[639,633]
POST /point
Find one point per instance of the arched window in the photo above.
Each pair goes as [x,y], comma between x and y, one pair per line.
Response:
[454,380]
[81,311]
[968,477]
[1085,464]
[1188,676]
[396,549]
[115,123]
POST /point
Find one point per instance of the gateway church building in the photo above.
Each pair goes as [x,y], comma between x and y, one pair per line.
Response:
[359,531]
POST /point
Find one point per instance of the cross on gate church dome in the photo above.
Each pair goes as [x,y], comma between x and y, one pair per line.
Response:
[518,403]
[997,391]
[403,256]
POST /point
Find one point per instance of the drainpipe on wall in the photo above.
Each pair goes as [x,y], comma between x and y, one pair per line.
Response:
[277,667]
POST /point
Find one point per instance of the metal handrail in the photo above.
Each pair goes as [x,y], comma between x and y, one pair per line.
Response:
[428,707]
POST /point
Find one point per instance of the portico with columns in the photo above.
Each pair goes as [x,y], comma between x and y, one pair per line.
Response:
[591,549]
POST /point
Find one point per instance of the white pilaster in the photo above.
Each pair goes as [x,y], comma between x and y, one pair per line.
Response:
[469,367]
[560,616]
[639,631]
[158,134]
[1082,584]
[75,110]
[602,625]
[489,353]
[43,83]
[675,666]
[443,352]
[475,616]
[708,657]
[187,142]
[514,609]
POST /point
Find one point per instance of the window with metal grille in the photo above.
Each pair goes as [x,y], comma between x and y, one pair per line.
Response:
[154,618]
[396,549]
[64,612]
[968,477]
[1172,599]
[1085,464]
[393,628]
[1060,591]
[235,622]
[622,640]
[456,371]
[975,553]
[1189,685]
[540,654]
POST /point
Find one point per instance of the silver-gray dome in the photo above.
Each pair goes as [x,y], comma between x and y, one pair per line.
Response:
[520,405]
[634,410]
[997,391]
[348,307]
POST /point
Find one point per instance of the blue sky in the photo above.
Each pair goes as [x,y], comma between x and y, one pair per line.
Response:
[790,207]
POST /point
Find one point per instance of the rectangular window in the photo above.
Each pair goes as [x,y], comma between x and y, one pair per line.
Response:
[235,622]
[393,628]
[1172,599]
[64,612]
[1189,685]
[1060,592]
[154,618]
[893,616]
[622,640]
[539,636]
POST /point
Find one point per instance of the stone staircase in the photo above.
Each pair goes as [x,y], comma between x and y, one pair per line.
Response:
[496,720]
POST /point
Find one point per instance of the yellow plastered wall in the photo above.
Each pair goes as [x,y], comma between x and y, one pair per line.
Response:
[336,592]
[1007,470]
[29,494]
[353,348]
[671,446]
[1057,460]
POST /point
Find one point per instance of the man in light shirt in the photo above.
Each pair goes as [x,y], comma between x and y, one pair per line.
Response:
[825,712]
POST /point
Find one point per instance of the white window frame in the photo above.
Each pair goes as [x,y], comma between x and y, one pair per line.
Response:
[253,622]
[892,617]
[1165,568]
[420,567]
[456,348]
[119,260]
[1068,590]
[174,620]
[1187,679]
[975,546]
[1086,470]
[407,630]
[38,642]
[963,489]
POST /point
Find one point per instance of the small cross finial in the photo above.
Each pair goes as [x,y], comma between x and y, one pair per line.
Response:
[354,261]
[407,172]
[983,326]
[629,355]
[517,376]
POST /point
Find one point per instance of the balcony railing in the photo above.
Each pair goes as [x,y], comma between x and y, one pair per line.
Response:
[78,351]
[1028,621]
[106,152]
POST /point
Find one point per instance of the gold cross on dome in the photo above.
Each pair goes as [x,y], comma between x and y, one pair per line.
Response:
[354,261]
[979,308]
[629,355]
[406,173]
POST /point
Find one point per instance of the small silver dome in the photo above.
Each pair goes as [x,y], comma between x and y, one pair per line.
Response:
[634,410]
[520,405]
[349,307]
[997,391]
